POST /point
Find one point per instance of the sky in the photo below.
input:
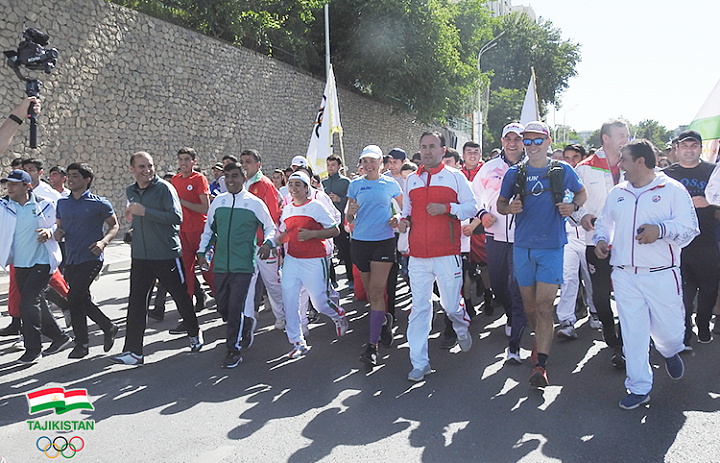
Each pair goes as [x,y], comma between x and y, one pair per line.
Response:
[640,59]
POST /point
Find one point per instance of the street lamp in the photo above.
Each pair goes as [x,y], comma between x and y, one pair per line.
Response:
[480,116]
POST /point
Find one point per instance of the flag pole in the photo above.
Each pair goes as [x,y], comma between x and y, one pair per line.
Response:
[327,69]
[327,41]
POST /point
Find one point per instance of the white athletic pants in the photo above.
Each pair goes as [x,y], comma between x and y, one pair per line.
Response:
[649,306]
[269,271]
[312,274]
[448,272]
[574,259]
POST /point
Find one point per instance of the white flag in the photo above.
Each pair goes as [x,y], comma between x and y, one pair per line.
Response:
[530,111]
[327,122]
[707,124]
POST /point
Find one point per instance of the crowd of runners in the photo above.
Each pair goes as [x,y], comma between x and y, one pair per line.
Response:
[520,230]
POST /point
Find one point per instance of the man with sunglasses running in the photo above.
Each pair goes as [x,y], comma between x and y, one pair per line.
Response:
[539,234]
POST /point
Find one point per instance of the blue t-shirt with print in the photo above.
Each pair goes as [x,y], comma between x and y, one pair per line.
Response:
[539,225]
[374,198]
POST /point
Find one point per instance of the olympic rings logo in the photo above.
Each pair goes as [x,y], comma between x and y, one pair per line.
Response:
[52,446]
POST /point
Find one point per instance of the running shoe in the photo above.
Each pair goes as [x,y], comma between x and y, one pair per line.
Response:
[341,326]
[567,331]
[633,401]
[109,337]
[19,344]
[369,357]
[618,359]
[512,357]
[299,349]
[280,324]
[595,323]
[386,333]
[539,377]
[30,357]
[128,358]
[313,315]
[197,342]
[704,337]
[59,344]
[232,359]
[78,352]
[675,367]
[180,329]
[465,342]
[418,374]
[248,332]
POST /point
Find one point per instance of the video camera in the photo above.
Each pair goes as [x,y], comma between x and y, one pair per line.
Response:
[31,54]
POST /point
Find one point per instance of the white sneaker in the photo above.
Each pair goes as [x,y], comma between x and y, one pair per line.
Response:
[595,321]
[128,358]
[512,357]
[280,324]
[567,331]
[341,326]
[299,349]
[19,344]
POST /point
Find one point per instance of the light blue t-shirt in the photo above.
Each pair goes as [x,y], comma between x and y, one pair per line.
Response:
[374,198]
[26,250]
[539,225]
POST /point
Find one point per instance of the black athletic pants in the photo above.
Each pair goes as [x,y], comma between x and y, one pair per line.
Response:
[79,277]
[600,271]
[143,273]
[700,275]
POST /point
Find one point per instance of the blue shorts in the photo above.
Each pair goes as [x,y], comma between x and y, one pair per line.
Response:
[533,265]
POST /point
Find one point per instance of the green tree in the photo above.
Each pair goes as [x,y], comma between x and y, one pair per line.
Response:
[653,131]
[273,27]
[594,140]
[506,105]
[525,44]
[419,55]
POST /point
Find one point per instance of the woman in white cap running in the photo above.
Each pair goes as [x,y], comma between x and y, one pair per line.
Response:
[370,208]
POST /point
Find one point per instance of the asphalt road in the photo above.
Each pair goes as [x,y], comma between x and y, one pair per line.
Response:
[182,407]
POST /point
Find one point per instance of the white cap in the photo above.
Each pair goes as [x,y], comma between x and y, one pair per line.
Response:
[300,175]
[299,161]
[371,151]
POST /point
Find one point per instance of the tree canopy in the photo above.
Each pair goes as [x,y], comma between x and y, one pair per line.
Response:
[419,56]
[525,44]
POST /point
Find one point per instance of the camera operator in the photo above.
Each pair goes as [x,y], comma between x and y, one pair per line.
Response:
[15,120]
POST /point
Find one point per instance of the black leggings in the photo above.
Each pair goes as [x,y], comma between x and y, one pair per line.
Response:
[600,271]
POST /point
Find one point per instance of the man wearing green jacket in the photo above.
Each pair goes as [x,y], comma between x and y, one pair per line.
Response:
[155,213]
[232,224]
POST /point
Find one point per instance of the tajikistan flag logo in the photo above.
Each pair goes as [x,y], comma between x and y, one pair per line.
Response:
[59,399]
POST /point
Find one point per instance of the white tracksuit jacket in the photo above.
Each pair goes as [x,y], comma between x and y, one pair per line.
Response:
[665,203]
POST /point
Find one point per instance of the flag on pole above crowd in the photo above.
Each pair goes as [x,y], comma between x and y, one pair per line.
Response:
[327,123]
[530,110]
[707,124]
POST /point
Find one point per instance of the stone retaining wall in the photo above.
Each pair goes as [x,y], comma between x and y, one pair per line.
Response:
[127,82]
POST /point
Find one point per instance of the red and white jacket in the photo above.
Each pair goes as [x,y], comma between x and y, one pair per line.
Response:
[435,236]
[666,203]
[596,175]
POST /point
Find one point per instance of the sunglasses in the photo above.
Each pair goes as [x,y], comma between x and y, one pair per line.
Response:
[537,141]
